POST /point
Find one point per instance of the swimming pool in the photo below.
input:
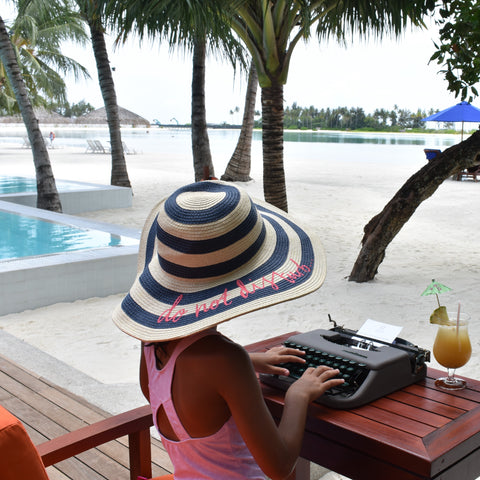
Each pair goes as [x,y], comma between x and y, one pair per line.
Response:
[76,197]
[48,257]
[15,184]
[28,236]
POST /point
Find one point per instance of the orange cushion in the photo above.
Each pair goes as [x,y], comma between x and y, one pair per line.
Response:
[19,458]
[164,477]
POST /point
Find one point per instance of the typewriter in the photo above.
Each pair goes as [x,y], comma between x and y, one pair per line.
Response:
[370,368]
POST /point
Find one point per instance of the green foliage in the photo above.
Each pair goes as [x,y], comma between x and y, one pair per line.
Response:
[343,118]
[73,110]
[272,29]
[179,23]
[347,18]
[37,35]
[459,48]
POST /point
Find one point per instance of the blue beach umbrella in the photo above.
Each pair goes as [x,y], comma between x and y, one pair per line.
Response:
[461,112]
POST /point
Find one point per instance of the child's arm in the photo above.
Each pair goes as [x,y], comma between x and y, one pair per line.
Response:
[275,448]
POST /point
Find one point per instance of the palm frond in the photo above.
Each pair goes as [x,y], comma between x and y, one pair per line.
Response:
[178,22]
[346,18]
[37,35]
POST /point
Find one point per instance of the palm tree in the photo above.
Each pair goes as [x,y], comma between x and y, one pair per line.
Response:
[235,110]
[30,56]
[272,29]
[238,168]
[37,34]
[47,194]
[91,12]
[202,157]
[195,26]
[383,227]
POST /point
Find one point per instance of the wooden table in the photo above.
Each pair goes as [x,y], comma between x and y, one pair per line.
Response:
[418,432]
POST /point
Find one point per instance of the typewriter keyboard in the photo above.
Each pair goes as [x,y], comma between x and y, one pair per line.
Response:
[354,373]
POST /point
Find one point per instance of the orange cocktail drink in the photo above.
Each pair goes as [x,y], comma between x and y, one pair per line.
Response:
[452,347]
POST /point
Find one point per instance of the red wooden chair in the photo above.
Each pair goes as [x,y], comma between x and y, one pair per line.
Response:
[20,459]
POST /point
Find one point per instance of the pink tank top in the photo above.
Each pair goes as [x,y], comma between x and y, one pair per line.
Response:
[223,455]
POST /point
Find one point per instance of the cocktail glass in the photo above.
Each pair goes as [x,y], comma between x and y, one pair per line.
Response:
[452,349]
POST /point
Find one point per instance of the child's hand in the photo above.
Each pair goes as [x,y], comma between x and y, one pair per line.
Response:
[269,361]
[315,382]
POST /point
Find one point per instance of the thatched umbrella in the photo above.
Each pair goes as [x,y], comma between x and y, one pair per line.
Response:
[99,117]
[43,115]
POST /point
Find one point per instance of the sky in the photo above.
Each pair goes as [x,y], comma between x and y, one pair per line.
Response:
[155,82]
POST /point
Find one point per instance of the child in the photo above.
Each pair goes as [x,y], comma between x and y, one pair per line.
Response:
[209,253]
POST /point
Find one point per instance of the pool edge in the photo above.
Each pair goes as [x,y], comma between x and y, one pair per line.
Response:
[34,282]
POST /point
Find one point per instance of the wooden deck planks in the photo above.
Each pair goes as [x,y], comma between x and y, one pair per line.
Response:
[48,411]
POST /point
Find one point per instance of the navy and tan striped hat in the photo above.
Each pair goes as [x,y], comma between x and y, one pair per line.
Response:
[209,253]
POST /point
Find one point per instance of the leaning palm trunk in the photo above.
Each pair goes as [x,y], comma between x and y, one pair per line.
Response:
[382,228]
[274,188]
[119,176]
[47,194]
[202,157]
[238,168]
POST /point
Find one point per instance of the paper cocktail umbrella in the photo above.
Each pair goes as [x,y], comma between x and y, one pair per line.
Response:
[435,288]
[439,315]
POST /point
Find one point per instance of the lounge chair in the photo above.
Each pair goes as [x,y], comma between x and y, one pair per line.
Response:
[95,146]
[99,147]
[128,151]
[21,460]
[90,147]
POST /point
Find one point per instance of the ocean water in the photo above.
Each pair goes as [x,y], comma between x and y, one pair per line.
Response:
[178,140]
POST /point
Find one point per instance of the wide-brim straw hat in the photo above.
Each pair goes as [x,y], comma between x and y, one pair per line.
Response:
[209,253]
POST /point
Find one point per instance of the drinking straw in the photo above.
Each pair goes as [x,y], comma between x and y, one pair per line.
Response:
[458,318]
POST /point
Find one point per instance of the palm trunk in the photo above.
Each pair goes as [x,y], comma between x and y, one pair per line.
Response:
[119,175]
[47,194]
[274,187]
[238,168]
[382,229]
[202,157]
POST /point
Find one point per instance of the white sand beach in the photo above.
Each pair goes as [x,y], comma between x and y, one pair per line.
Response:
[336,196]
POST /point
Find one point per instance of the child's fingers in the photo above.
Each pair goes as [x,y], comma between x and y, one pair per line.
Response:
[325,374]
[293,351]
